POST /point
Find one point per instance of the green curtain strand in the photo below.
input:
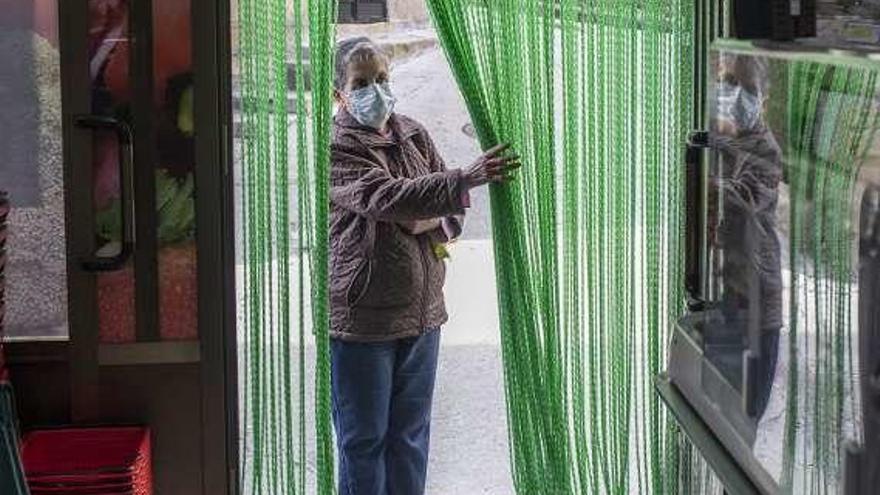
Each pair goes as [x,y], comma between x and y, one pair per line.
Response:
[322,36]
[596,98]
[284,245]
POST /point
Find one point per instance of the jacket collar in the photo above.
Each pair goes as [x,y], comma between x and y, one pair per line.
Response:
[401,129]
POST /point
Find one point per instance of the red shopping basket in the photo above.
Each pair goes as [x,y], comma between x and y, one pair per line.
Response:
[88,461]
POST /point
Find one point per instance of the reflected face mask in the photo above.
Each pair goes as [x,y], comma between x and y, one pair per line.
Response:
[372,105]
[739,106]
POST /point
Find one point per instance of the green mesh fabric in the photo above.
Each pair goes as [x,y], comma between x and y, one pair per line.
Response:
[287,443]
[596,97]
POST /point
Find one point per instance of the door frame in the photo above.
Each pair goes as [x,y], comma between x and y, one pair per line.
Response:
[215,237]
[79,218]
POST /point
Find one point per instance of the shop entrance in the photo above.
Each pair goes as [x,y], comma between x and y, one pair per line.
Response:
[119,272]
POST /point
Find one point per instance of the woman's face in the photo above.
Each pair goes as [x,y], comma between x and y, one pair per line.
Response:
[740,106]
[365,72]
[365,94]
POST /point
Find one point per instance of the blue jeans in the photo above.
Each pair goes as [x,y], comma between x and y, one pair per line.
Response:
[382,396]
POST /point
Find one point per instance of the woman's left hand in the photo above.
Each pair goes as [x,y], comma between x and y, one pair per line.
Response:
[494,166]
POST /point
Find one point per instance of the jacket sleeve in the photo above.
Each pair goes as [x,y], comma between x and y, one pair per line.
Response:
[361,186]
[451,225]
[758,171]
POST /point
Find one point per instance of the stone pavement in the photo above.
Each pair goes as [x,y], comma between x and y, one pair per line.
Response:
[469,451]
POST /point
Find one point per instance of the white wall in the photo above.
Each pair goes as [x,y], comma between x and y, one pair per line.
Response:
[407,10]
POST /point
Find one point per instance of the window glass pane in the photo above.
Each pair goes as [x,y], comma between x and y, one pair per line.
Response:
[175,175]
[109,69]
[31,171]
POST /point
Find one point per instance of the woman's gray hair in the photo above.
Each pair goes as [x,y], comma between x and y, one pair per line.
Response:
[752,72]
[353,49]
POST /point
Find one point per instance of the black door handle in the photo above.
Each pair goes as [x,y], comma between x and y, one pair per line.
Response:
[125,140]
[695,237]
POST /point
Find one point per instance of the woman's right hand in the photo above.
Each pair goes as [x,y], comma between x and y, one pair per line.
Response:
[491,167]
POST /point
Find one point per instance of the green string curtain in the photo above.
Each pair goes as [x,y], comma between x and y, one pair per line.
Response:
[284,368]
[832,122]
[595,96]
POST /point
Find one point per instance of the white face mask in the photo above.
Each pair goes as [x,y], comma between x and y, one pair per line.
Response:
[739,106]
[372,105]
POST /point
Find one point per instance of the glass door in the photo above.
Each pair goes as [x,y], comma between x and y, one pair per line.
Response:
[119,236]
[136,115]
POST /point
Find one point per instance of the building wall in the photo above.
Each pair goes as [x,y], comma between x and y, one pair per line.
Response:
[407,11]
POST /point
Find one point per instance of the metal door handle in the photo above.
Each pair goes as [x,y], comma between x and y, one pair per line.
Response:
[695,237]
[125,140]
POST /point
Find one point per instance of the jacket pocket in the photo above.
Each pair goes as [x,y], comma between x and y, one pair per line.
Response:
[360,282]
[395,280]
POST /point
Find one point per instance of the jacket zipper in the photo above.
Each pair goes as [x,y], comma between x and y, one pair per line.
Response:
[424,289]
[406,165]
[422,323]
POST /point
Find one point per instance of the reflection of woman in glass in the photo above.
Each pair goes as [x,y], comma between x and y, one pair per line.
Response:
[747,180]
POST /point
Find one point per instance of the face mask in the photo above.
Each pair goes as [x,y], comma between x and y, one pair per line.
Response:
[739,106]
[372,105]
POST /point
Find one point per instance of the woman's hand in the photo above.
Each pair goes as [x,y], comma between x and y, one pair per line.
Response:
[492,167]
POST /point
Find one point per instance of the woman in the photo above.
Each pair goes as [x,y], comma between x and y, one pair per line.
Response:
[747,181]
[393,205]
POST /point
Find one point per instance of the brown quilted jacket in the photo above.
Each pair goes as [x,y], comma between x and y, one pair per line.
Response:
[386,283]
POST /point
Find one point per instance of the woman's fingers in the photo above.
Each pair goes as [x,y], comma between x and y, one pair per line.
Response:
[502,160]
[493,167]
[496,150]
[502,165]
[502,173]
[493,163]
